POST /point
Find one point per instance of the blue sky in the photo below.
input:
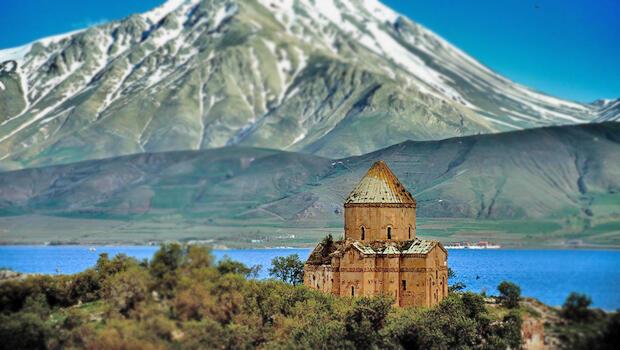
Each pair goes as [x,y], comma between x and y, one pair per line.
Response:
[568,48]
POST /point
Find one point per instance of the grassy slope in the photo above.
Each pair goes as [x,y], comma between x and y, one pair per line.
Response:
[533,188]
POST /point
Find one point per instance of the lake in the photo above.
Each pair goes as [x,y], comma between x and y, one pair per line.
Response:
[548,275]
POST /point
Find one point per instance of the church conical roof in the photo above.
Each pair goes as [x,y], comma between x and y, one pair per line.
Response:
[380,185]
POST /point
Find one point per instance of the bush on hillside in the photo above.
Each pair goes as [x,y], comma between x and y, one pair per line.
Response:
[576,307]
[227,265]
[183,300]
[509,294]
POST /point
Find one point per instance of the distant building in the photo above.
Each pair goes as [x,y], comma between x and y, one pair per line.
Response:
[380,253]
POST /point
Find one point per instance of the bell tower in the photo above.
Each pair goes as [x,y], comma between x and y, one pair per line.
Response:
[380,208]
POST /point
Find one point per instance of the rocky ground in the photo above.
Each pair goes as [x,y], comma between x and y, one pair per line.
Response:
[10,275]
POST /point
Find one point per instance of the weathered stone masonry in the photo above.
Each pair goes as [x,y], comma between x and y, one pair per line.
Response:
[380,253]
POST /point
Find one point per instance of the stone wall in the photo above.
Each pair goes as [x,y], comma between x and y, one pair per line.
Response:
[376,219]
[411,279]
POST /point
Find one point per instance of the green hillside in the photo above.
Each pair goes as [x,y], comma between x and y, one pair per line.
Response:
[555,186]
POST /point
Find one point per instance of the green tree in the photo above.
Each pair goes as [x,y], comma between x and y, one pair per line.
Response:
[576,307]
[229,297]
[474,304]
[193,302]
[454,287]
[402,329]
[36,304]
[512,324]
[164,266]
[106,267]
[227,265]
[448,326]
[603,334]
[86,286]
[126,289]
[509,294]
[198,257]
[23,330]
[365,320]
[289,269]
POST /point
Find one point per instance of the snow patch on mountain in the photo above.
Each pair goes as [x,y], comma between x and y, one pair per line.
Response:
[157,14]
[260,73]
[223,13]
[19,53]
[609,110]
[15,54]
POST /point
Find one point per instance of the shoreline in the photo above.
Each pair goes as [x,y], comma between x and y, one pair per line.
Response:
[285,247]
[102,245]
[480,271]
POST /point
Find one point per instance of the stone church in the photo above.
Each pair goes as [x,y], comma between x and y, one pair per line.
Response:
[380,253]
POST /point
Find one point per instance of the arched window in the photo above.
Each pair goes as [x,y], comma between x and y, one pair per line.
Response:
[352,291]
[389,232]
[409,232]
[363,229]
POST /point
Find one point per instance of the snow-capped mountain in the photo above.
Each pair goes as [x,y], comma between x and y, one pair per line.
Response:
[608,110]
[329,77]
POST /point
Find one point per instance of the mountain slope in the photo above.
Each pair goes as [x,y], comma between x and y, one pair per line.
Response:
[570,174]
[333,78]
[609,110]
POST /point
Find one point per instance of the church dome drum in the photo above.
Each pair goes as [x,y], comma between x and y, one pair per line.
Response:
[380,208]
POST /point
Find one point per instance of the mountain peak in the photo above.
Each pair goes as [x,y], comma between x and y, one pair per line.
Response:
[333,78]
[333,10]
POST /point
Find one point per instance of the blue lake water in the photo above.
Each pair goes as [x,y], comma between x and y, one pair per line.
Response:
[548,275]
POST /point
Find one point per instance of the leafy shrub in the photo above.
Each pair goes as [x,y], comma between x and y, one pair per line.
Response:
[474,304]
[126,289]
[289,269]
[575,307]
[459,322]
[23,330]
[510,329]
[227,265]
[183,300]
[509,294]
[365,320]
[164,266]
[86,286]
